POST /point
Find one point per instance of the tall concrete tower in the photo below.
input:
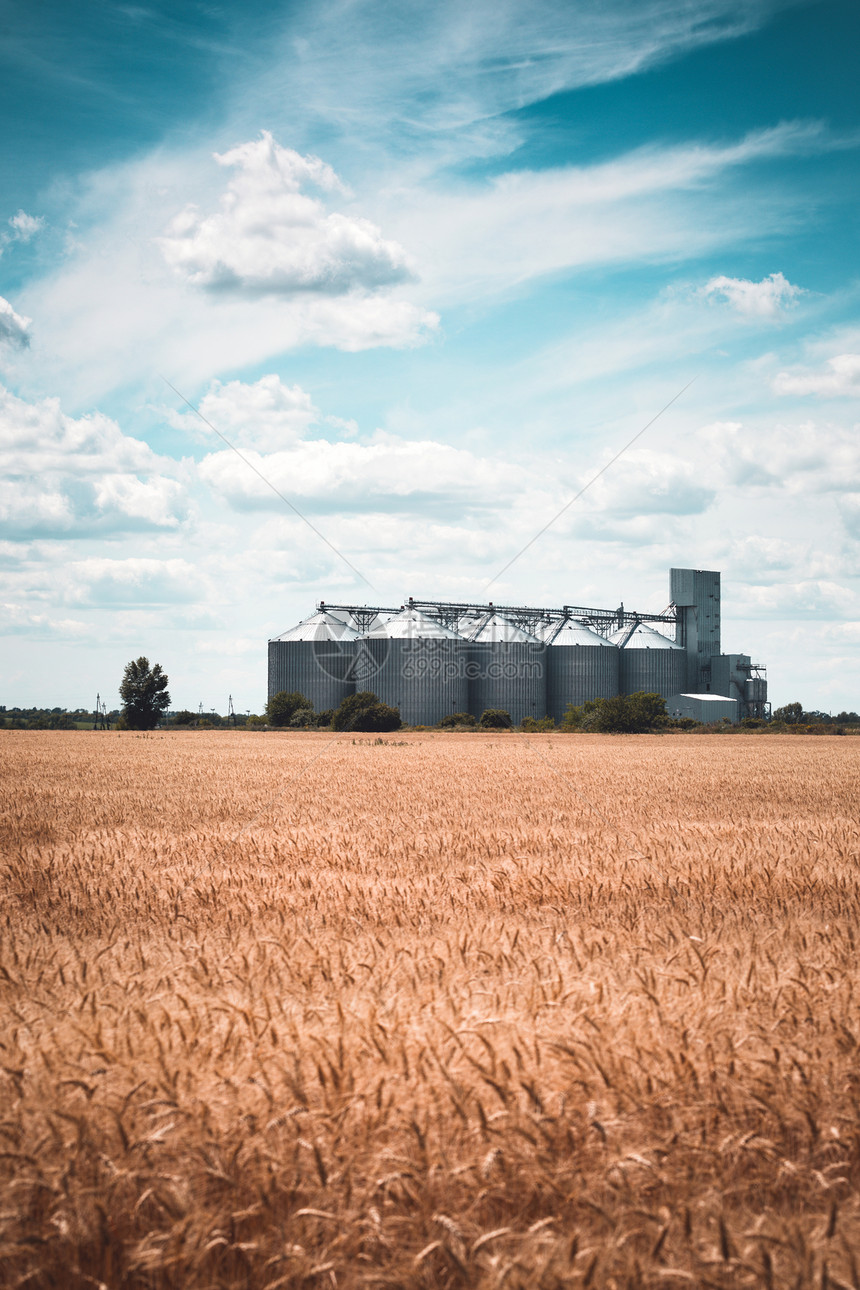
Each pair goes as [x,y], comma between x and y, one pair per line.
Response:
[696,593]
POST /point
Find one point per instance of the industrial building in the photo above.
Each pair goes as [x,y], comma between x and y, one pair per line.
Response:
[433,658]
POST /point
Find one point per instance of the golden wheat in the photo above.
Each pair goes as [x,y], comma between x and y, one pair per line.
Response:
[455,1010]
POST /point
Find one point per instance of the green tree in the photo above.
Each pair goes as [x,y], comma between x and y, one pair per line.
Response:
[144,694]
[283,706]
[792,714]
[363,711]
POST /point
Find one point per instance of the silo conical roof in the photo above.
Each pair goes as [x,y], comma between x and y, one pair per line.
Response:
[413,624]
[641,636]
[543,628]
[321,626]
[571,631]
[495,629]
[467,622]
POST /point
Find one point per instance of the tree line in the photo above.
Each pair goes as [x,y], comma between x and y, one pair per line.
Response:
[146,701]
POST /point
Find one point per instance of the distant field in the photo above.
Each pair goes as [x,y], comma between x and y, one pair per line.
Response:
[446,1011]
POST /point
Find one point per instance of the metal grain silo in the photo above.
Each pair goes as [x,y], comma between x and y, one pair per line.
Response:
[414,663]
[650,661]
[506,670]
[316,659]
[581,665]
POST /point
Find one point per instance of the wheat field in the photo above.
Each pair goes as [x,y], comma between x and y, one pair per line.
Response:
[435,1011]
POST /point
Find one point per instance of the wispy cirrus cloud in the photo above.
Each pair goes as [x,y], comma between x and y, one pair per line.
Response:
[656,203]
[440,80]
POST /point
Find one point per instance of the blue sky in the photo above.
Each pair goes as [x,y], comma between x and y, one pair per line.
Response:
[429,267]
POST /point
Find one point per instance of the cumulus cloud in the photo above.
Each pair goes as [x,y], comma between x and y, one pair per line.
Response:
[765,299]
[839,377]
[270,236]
[14,328]
[266,415]
[393,475]
[20,620]
[137,581]
[65,475]
[799,459]
[816,598]
[389,474]
[651,483]
[25,226]
[849,509]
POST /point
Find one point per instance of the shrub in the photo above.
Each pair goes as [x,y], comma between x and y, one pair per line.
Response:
[622,714]
[380,717]
[454,719]
[363,711]
[531,725]
[302,718]
[183,718]
[495,719]
[282,707]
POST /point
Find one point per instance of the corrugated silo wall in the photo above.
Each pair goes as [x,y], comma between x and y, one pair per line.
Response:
[755,690]
[320,670]
[657,671]
[576,673]
[510,675]
[425,679]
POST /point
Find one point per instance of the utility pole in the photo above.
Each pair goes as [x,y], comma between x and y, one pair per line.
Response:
[231,711]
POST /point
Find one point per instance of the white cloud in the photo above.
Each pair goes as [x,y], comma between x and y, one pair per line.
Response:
[645,483]
[14,328]
[111,313]
[391,475]
[137,581]
[654,203]
[839,377]
[265,415]
[131,583]
[271,237]
[802,458]
[25,226]
[20,620]
[849,509]
[64,475]
[765,299]
[388,474]
[441,80]
[805,598]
